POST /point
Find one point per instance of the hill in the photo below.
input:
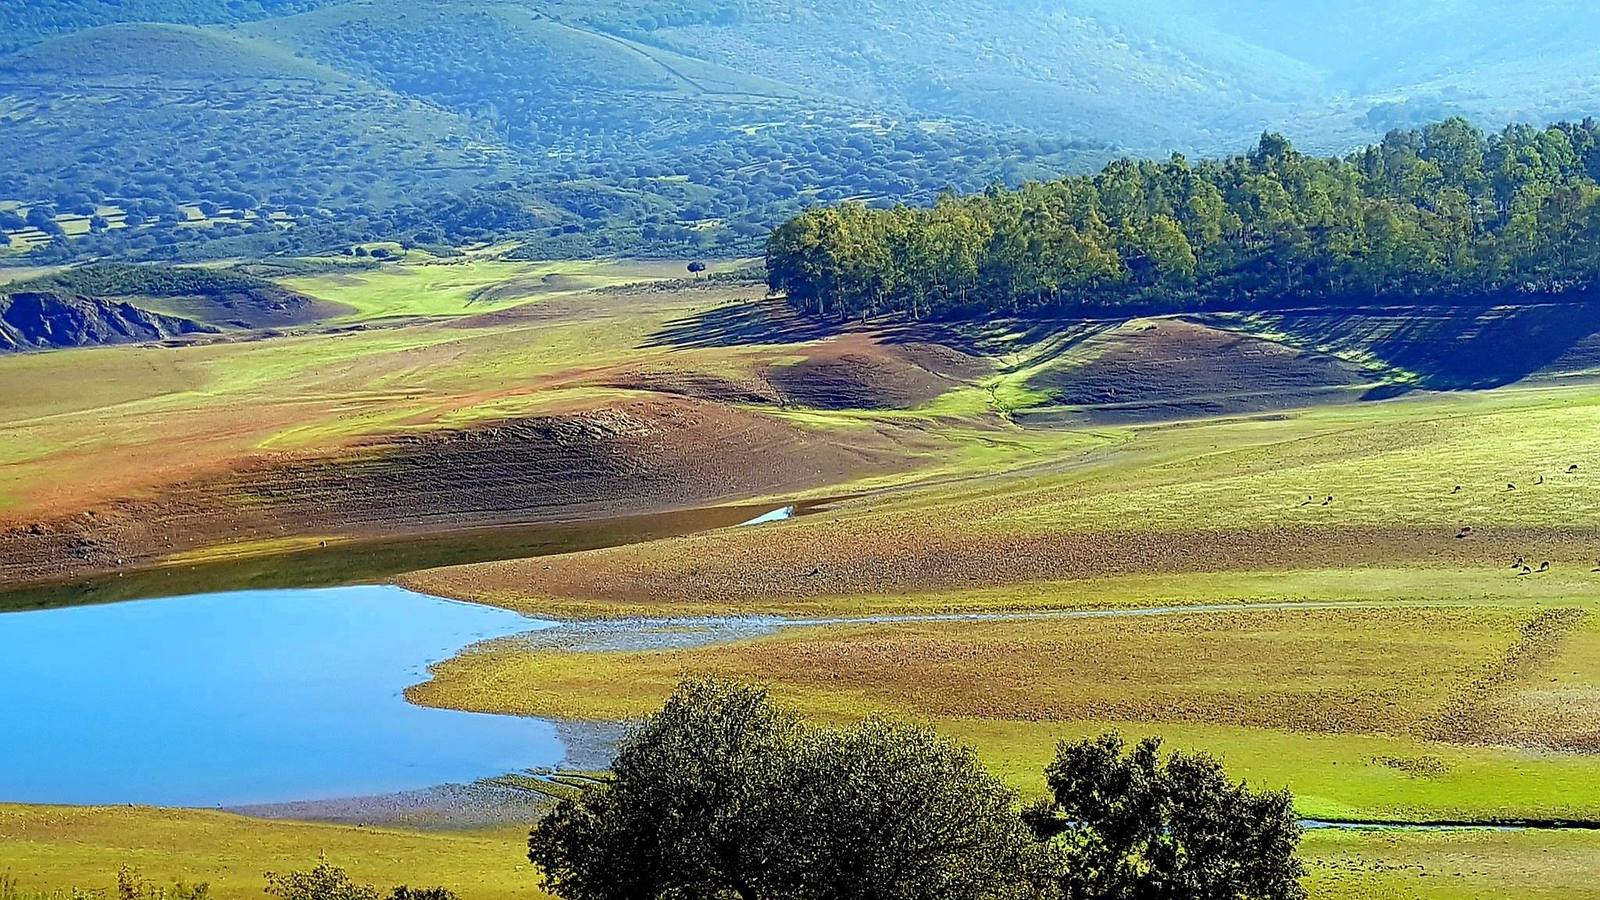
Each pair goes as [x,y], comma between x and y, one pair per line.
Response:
[173,298]
[174,134]
[22,24]
[38,320]
[446,123]
[585,127]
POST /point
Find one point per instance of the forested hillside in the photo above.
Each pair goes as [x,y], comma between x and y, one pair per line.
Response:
[581,127]
[1442,212]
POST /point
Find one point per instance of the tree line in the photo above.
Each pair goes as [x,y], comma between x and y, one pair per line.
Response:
[1438,213]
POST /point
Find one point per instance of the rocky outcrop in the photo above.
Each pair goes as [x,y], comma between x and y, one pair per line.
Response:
[43,320]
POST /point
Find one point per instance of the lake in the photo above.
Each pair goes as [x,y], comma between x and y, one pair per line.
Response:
[248,697]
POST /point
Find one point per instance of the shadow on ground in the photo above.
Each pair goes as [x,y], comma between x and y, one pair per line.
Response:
[740,324]
[1453,347]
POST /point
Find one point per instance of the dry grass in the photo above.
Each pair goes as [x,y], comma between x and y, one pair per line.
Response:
[51,847]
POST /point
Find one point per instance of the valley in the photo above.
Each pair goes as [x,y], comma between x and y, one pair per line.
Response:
[1031,532]
[871,450]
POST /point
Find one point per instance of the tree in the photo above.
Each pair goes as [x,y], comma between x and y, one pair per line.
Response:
[44,218]
[1130,824]
[329,882]
[722,795]
[696,267]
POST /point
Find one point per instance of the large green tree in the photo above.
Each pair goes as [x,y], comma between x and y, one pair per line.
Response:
[1445,213]
[1134,825]
[722,795]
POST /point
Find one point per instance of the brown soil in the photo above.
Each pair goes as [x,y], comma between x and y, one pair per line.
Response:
[824,557]
[1172,368]
[251,309]
[855,371]
[699,385]
[643,456]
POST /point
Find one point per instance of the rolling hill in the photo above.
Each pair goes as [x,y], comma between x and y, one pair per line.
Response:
[595,126]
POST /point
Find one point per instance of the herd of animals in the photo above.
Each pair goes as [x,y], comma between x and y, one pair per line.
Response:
[1519,563]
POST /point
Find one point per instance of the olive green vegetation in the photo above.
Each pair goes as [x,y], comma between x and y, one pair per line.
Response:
[1442,213]
[723,792]
[47,848]
[586,127]
[469,286]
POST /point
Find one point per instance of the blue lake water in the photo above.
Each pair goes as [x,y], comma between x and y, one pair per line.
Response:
[247,697]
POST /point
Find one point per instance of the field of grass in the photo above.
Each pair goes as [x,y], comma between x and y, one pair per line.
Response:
[1438,684]
[1364,712]
[57,848]
[469,286]
[223,401]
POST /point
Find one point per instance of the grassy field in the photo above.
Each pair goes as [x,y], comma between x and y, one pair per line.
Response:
[469,286]
[1329,592]
[223,401]
[1442,684]
[57,848]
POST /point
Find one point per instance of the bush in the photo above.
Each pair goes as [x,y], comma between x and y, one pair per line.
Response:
[329,882]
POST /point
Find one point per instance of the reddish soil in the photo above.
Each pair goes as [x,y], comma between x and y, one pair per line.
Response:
[1172,368]
[648,455]
[855,371]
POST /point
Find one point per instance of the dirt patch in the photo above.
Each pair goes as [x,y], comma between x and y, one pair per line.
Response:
[644,456]
[1470,716]
[698,385]
[856,372]
[274,308]
[1172,368]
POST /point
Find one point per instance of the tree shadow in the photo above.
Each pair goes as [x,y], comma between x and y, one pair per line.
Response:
[741,324]
[1456,348]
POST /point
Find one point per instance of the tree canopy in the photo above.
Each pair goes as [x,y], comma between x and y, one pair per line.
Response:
[1440,212]
[1134,825]
[721,794]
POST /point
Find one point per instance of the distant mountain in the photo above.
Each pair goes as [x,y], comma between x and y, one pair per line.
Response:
[22,24]
[183,128]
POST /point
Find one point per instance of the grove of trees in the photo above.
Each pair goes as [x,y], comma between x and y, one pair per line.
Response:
[1441,212]
[721,794]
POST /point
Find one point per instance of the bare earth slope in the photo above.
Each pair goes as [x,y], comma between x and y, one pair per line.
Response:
[47,320]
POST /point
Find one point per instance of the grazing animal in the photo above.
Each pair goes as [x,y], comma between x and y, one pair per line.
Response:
[1525,571]
[1572,468]
[1540,481]
[1464,532]
[1307,501]
[1456,489]
[1327,501]
[1520,562]
[1544,566]
[1510,486]
[1596,566]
